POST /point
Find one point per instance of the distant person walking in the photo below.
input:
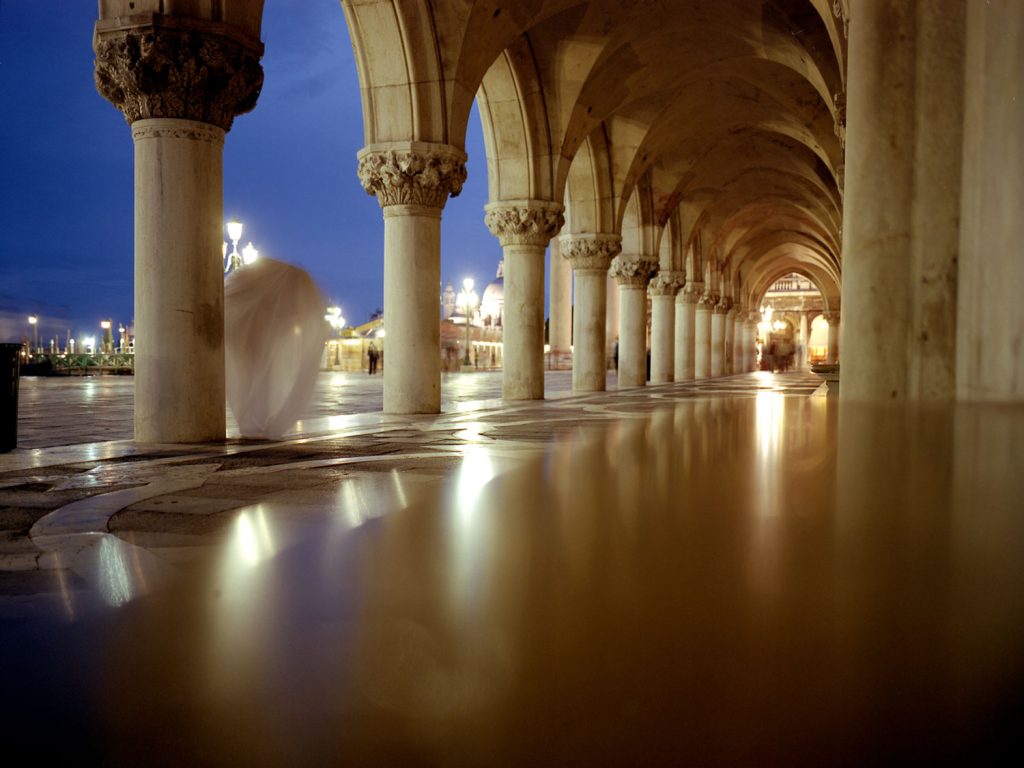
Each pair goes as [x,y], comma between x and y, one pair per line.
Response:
[374,355]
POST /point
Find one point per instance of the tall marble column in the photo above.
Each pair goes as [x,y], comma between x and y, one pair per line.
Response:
[721,309]
[738,318]
[751,354]
[686,301]
[560,309]
[524,228]
[611,316]
[902,198]
[591,256]
[663,290]
[412,182]
[832,318]
[632,273]
[805,339]
[730,330]
[179,83]
[702,336]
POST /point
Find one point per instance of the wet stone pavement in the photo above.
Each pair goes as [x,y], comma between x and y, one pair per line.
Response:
[78,489]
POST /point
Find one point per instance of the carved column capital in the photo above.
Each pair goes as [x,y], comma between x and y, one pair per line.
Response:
[412,173]
[832,318]
[524,222]
[170,67]
[707,301]
[723,306]
[590,252]
[691,293]
[666,283]
[632,270]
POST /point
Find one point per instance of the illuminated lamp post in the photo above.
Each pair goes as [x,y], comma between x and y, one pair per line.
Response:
[108,340]
[249,254]
[467,300]
[337,322]
[33,320]
[233,260]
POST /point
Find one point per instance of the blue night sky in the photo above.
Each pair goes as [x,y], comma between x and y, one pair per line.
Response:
[66,186]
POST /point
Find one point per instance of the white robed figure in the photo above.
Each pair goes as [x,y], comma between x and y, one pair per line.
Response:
[274,334]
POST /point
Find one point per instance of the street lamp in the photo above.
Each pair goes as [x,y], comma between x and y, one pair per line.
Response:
[233,260]
[467,300]
[335,319]
[108,341]
[337,322]
[34,322]
[120,337]
[249,254]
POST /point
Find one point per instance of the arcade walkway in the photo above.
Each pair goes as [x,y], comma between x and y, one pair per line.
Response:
[733,572]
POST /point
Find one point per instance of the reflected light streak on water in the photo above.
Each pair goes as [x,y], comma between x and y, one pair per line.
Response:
[65,594]
[396,478]
[115,585]
[476,471]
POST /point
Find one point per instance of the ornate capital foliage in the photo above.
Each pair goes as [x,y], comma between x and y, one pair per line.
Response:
[524,223]
[707,301]
[666,283]
[723,306]
[591,251]
[691,292]
[413,174]
[170,69]
[632,270]
[832,318]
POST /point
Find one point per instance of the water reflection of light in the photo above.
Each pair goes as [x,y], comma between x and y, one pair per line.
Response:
[769,425]
[253,541]
[114,582]
[470,431]
[65,593]
[769,422]
[476,471]
[396,478]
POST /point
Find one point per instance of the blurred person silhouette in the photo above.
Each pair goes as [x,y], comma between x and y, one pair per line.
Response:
[274,334]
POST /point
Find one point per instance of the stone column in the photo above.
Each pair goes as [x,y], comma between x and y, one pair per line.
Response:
[730,331]
[832,318]
[751,353]
[902,192]
[721,309]
[412,182]
[180,83]
[805,338]
[560,312]
[686,301]
[990,270]
[663,290]
[591,256]
[738,318]
[632,273]
[611,317]
[524,228]
[702,336]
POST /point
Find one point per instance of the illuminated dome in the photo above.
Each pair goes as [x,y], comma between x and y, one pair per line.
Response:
[493,302]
